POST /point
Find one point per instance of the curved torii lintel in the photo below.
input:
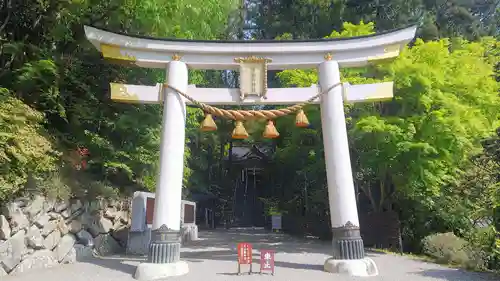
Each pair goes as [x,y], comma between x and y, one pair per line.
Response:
[203,54]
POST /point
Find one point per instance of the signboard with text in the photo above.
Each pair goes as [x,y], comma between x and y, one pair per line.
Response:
[267,261]
[244,256]
[276,222]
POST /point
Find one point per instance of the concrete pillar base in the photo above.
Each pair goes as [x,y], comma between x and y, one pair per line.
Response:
[156,271]
[364,267]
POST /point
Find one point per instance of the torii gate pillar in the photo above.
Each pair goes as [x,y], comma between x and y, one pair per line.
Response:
[164,247]
[348,251]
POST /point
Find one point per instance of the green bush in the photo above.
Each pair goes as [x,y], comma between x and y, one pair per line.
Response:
[449,249]
[484,241]
[55,187]
[25,147]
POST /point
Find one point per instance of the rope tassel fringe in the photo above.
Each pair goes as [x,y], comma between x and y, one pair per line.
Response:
[270,131]
[301,119]
[208,124]
[239,131]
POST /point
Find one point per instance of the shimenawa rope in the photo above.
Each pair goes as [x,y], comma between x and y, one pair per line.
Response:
[241,115]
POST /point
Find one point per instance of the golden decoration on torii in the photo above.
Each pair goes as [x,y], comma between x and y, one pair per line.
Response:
[253,82]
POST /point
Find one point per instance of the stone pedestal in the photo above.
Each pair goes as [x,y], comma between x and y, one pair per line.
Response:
[362,267]
[165,245]
[189,232]
[156,271]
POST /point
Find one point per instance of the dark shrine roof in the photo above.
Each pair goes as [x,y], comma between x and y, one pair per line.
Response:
[255,151]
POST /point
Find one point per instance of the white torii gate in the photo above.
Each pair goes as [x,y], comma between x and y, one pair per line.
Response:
[253,59]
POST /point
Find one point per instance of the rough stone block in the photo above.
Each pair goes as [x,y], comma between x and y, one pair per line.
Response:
[85,238]
[2,272]
[49,204]
[42,220]
[110,213]
[76,206]
[66,213]
[22,202]
[4,228]
[65,245]
[61,206]
[18,220]
[52,240]
[75,226]
[121,235]
[12,250]
[70,257]
[54,216]
[82,252]
[38,260]
[34,238]
[123,217]
[26,253]
[63,228]
[100,225]
[35,206]
[48,228]
[105,245]
[9,209]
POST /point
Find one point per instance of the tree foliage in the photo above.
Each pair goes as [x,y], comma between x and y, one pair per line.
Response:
[437,19]
[49,65]
[25,146]
[423,154]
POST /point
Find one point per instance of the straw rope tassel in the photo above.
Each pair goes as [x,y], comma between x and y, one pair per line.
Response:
[301,119]
[239,131]
[208,124]
[270,131]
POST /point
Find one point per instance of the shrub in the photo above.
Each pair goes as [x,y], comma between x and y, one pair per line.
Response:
[485,242]
[449,249]
[55,187]
[25,147]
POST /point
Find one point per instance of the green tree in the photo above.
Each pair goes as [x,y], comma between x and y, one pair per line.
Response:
[49,65]
[438,19]
[416,151]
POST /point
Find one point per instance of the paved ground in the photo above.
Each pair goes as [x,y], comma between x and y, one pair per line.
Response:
[214,258]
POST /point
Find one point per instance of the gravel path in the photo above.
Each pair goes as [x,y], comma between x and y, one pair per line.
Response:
[213,258]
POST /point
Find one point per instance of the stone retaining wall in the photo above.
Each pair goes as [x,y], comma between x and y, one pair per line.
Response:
[40,233]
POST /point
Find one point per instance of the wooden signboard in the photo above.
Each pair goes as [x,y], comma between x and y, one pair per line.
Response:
[188,213]
[267,261]
[150,209]
[245,256]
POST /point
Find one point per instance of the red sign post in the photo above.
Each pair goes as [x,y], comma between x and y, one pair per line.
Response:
[267,261]
[244,256]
